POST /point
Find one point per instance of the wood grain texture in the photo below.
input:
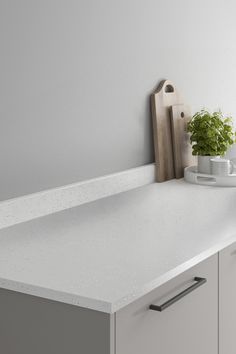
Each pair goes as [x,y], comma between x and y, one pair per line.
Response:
[162,99]
[182,149]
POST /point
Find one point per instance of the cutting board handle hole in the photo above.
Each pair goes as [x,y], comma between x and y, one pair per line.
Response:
[169,88]
[182,114]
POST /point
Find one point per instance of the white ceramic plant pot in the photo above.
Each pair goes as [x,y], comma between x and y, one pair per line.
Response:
[204,164]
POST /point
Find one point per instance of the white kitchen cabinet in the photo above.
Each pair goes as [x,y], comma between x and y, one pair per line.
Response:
[189,325]
[200,318]
[227,300]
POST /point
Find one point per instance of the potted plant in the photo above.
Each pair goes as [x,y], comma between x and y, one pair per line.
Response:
[211,136]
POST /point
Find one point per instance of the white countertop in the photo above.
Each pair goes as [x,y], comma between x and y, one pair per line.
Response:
[105,254]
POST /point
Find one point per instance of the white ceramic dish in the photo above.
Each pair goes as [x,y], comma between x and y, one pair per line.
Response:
[192,175]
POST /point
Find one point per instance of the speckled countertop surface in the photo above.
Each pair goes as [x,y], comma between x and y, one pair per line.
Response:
[105,254]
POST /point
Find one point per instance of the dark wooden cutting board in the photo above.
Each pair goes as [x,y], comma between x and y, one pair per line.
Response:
[182,149]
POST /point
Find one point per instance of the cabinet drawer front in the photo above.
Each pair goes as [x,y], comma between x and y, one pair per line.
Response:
[227,303]
[188,324]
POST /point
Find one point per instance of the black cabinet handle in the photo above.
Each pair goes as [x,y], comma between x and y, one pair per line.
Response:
[199,282]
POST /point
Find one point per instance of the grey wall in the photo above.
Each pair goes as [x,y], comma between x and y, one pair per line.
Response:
[75,79]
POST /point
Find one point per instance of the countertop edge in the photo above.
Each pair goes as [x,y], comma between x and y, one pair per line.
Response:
[55,295]
[161,280]
[105,306]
